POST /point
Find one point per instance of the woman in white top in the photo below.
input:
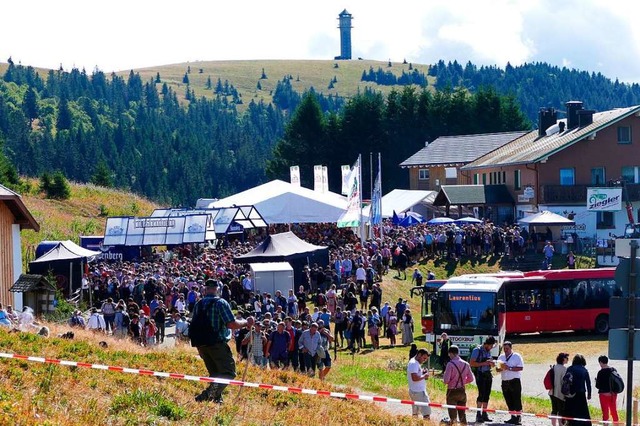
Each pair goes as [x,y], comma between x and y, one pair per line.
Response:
[555,393]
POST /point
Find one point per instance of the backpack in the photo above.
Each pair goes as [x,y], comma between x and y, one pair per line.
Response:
[567,385]
[615,382]
[125,320]
[475,370]
[549,378]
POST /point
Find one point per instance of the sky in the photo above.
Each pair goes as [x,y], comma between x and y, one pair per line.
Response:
[116,35]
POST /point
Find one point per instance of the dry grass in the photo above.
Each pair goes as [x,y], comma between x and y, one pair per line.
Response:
[32,393]
[245,75]
[83,214]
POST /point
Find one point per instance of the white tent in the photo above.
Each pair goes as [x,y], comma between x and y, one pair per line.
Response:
[402,200]
[281,202]
[545,217]
[66,250]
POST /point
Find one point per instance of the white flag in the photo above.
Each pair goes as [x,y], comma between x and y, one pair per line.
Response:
[325,179]
[317,178]
[345,178]
[351,217]
[294,172]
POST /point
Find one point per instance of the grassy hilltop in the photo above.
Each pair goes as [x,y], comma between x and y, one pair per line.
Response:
[245,75]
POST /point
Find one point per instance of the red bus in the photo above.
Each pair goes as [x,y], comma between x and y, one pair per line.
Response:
[471,307]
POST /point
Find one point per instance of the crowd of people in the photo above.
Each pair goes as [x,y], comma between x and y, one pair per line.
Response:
[569,388]
[336,306]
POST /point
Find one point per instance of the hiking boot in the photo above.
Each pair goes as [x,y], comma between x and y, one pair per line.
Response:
[485,417]
[513,421]
[209,394]
[479,418]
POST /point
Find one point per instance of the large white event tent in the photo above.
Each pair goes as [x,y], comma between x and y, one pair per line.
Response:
[281,202]
[403,200]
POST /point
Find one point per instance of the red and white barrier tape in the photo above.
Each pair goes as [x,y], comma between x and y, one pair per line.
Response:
[370,398]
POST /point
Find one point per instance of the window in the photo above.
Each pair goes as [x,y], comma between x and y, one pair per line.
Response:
[604,220]
[451,172]
[517,180]
[504,177]
[567,176]
[597,176]
[423,174]
[484,178]
[624,134]
[476,178]
[631,174]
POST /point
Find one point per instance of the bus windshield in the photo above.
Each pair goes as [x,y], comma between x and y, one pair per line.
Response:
[461,310]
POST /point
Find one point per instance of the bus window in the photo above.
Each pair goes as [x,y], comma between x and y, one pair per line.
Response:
[467,310]
[526,297]
[579,294]
[601,291]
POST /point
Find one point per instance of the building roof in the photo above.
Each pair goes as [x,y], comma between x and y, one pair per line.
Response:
[531,148]
[472,195]
[459,150]
[22,215]
[30,282]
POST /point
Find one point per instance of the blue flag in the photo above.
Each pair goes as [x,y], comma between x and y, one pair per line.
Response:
[376,202]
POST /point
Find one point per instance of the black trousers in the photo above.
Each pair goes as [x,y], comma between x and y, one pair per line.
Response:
[512,391]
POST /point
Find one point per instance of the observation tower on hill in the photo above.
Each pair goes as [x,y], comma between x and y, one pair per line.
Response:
[345,34]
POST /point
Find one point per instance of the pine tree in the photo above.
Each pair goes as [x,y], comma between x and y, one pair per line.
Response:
[259,86]
[30,104]
[158,77]
[63,121]
[59,188]
[208,85]
[264,75]
[185,79]
[45,182]
[102,175]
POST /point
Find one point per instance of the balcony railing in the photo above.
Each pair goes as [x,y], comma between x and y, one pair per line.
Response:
[577,194]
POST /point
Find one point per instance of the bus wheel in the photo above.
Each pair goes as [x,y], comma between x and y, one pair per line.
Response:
[602,324]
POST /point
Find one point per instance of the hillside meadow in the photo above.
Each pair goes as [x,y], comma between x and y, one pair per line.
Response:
[245,76]
[84,213]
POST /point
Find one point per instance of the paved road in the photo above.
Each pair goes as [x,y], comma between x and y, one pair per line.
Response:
[533,374]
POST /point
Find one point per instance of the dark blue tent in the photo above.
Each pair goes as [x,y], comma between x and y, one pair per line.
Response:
[409,221]
[395,219]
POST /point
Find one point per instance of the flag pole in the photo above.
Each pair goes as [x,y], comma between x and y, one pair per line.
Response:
[370,193]
[380,176]
[360,198]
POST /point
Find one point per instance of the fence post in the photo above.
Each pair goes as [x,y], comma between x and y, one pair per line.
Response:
[635,411]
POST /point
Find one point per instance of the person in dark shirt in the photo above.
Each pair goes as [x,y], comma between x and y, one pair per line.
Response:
[577,406]
[608,399]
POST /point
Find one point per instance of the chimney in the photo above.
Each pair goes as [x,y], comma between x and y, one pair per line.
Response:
[547,117]
[561,125]
[585,117]
[572,113]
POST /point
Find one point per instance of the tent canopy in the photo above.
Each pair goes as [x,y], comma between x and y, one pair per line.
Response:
[281,202]
[545,218]
[279,248]
[66,250]
[401,200]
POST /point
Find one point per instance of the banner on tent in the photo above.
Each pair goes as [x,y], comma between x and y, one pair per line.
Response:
[325,179]
[346,170]
[317,178]
[294,172]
